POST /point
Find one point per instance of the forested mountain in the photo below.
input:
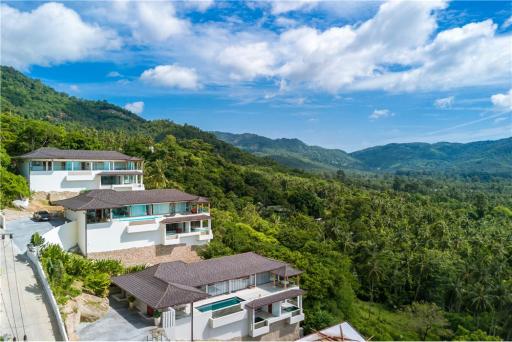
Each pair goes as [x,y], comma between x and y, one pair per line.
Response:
[32,99]
[291,152]
[476,158]
[401,258]
[492,157]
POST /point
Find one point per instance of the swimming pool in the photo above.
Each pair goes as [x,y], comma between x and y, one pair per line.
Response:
[221,304]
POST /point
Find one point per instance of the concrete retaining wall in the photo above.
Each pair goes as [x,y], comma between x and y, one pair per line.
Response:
[43,282]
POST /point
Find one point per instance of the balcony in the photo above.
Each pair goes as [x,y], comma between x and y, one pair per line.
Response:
[226,316]
[296,317]
[260,328]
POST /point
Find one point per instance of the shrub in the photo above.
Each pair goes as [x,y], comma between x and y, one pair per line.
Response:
[97,284]
[36,239]
[112,267]
[135,268]
[156,314]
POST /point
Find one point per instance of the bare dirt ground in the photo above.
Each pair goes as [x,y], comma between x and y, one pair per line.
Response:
[149,255]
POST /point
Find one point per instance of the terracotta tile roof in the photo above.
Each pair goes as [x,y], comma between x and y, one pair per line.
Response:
[55,153]
[103,199]
[258,303]
[152,282]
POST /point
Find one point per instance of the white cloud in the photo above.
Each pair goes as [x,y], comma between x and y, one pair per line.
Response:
[74,88]
[285,22]
[171,76]
[135,107]
[502,101]
[380,114]
[114,74]
[284,6]
[51,34]
[445,102]
[507,23]
[247,61]
[200,5]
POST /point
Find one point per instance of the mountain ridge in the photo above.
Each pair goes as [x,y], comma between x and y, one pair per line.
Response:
[489,156]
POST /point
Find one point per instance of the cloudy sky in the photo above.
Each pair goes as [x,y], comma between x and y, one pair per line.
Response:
[333,73]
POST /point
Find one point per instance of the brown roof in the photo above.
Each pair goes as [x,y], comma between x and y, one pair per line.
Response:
[55,153]
[287,271]
[155,292]
[194,274]
[176,219]
[103,199]
[258,303]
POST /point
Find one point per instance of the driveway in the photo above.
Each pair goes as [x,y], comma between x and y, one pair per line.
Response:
[23,229]
[23,309]
[120,323]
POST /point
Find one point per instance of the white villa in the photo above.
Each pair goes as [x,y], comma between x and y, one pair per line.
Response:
[51,169]
[244,296]
[108,220]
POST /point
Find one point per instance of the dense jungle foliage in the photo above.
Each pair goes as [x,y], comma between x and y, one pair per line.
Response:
[399,257]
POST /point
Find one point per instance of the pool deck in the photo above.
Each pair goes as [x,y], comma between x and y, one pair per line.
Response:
[247,294]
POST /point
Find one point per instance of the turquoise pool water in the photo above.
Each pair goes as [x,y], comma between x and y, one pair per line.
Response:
[220,304]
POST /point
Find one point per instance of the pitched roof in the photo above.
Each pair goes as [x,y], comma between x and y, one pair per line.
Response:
[258,303]
[286,271]
[157,293]
[55,153]
[104,199]
[152,282]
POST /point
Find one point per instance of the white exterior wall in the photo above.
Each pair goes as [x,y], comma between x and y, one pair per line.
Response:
[75,181]
[118,234]
[65,236]
[79,218]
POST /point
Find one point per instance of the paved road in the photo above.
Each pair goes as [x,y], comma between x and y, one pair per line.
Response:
[29,314]
[120,324]
[23,229]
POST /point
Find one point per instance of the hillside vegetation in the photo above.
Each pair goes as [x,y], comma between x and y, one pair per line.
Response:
[483,159]
[400,258]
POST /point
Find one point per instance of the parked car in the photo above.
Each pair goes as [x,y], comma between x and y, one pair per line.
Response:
[41,216]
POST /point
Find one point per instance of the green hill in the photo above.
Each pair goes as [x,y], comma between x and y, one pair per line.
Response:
[398,264]
[292,152]
[32,99]
[491,157]
[476,158]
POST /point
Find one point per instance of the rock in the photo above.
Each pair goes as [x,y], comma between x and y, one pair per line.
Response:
[56,196]
[91,308]
[84,308]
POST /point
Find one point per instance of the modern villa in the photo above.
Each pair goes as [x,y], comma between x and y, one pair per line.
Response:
[108,220]
[244,296]
[51,169]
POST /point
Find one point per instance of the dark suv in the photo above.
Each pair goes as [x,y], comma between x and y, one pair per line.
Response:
[41,216]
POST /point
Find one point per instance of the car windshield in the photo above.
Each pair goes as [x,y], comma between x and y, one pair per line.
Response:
[42,213]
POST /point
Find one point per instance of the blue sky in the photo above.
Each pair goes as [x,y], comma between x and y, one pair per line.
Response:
[337,74]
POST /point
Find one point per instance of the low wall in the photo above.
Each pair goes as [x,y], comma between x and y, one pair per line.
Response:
[43,282]
[65,236]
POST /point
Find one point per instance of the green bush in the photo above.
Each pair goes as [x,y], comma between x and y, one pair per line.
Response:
[112,267]
[36,239]
[97,284]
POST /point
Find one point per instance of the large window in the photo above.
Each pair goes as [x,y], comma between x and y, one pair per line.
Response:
[175,228]
[195,224]
[82,166]
[181,207]
[140,210]
[205,224]
[61,166]
[120,212]
[109,180]
[36,165]
[100,166]
[239,284]
[120,166]
[98,215]
[161,209]
[262,278]
[218,288]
